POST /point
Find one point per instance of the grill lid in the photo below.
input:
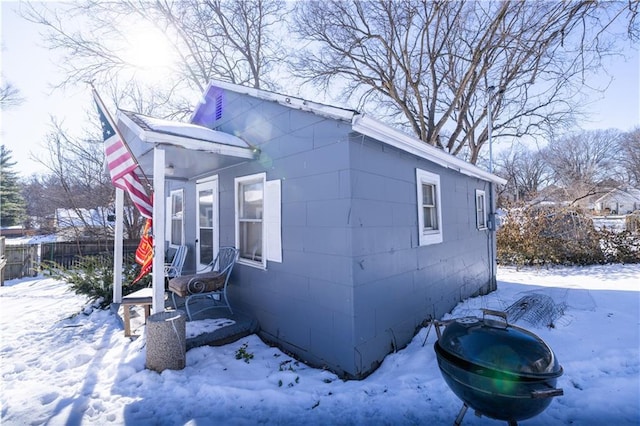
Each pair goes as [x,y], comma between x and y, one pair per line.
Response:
[487,344]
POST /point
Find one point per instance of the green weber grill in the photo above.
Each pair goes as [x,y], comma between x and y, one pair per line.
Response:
[500,370]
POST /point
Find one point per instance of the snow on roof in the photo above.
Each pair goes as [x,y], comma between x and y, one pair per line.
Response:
[36,239]
[630,193]
[184,130]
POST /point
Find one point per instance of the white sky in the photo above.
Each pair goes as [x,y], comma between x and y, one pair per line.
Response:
[32,70]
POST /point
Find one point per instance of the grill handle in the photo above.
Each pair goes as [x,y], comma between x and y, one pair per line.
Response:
[550,393]
[491,312]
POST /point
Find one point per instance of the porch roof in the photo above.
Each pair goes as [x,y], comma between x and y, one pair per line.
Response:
[191,150]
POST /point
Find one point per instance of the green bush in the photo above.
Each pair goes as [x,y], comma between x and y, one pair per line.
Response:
[92,276]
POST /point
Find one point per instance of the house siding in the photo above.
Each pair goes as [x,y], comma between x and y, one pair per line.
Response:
[397,283]
[354,283]
[305,303]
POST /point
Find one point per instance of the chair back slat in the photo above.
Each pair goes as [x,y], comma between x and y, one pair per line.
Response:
[227,256]
[177,263]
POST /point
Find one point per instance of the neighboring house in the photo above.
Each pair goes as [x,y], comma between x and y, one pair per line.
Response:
[550,196]
[618,201]
[81,219]
[351,234]
[13,231]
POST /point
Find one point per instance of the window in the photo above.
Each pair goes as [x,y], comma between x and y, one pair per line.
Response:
[177,210]
[429,207]
[258,220]
[481,209]
[249,194]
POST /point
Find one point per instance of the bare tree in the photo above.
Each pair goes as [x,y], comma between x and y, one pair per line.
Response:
[585,163]
[9,96]
[431,65]
[78,182]
[38,192]
[526,172]
[235,40]
[629,149]
[231,40]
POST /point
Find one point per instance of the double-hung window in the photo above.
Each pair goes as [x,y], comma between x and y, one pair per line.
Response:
[481,209]
[249,197]
[177,211]
[429,207]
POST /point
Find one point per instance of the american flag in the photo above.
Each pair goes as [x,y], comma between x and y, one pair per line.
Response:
[121,163]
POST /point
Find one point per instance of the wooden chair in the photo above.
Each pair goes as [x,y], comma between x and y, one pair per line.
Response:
[210,285]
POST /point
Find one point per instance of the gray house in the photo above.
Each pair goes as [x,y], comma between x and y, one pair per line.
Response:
[351,234]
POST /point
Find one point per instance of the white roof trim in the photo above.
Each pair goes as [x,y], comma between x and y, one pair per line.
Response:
[382,132]
[290,101]
[366,126]
[217,143]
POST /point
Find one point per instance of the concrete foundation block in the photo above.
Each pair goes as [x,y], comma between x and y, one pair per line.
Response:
[166,341]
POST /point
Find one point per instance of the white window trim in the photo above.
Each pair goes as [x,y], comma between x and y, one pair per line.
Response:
[170,217]
[481,194]
[260,177]
[430,236]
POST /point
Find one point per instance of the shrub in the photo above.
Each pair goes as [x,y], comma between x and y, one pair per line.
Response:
[93,276]
[620,247]
[548,235]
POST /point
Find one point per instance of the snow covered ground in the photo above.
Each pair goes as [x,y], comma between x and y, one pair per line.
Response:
[60,366]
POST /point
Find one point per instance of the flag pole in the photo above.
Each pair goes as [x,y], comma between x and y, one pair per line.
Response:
[117,130]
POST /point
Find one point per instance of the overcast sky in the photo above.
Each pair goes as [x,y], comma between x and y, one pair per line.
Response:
[32,69]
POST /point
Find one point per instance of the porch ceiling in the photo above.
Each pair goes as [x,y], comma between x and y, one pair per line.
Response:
[191,151]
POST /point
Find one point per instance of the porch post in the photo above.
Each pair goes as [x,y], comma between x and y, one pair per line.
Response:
[158,229]
[117,246]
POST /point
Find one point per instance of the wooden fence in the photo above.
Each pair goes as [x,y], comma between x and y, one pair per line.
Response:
[3,260]
[24,260]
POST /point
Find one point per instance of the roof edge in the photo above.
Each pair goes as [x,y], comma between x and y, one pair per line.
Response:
[148,135]
[286,100]
[380,131]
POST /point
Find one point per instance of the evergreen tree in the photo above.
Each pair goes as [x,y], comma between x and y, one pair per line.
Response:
[12,205]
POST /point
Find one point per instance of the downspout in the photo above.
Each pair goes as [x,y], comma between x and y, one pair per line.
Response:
[493,284]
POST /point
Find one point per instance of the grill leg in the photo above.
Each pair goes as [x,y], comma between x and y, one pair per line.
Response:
[461,414]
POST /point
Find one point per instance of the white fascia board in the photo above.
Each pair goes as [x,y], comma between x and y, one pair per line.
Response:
[289,101]
[382,132]
[197,145]
[152,137]
[130,124]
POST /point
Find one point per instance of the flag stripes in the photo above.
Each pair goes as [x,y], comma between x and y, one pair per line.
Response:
[121,163]
[119,160]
